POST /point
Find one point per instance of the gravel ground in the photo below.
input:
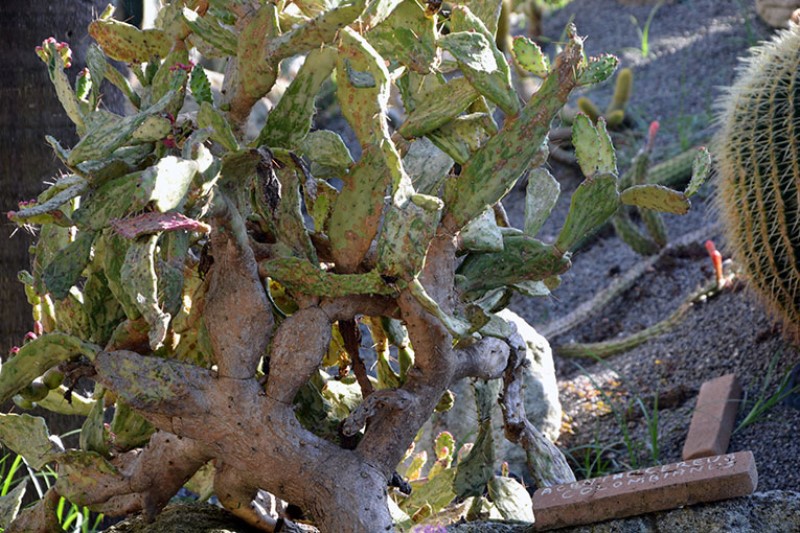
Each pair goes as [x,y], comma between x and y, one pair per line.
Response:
[694,48]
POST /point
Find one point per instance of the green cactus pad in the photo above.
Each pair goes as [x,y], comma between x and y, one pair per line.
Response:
[301,276]
[656,197]
[51,204]
[598,69]
[290,120]
[327,149]
[64,92]
[113,199]
[595,200]
[631,235]
[407,232]
[166,183]
[541,196]
[486,11]
[36,357]
[152,129]
[357,212]
[138,277]
[28,436]
[480,65]
[427,166]
[511,499]
[128,43]
[408,36]
[458,328]
[437,493]
[701,168]
[209,117]
[130,429]
[93,437]
[289,225]
[482,234]
[65,269]
[438,107]
[363,107]
[106,135]
[523,258]
[593,147]
[530,57]
[477,468]
[257,72]
[463,136]
[79,473]
[494,169]
[209,29]
[171,78]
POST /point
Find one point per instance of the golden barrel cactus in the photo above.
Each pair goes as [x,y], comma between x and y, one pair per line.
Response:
[758,155]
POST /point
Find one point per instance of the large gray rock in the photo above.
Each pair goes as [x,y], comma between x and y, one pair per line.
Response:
[774,511]
[542,405]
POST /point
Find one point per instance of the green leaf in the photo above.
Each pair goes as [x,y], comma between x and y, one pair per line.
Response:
[28,436]
[656,197]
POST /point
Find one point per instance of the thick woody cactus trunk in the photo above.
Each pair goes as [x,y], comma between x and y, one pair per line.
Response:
[210,284]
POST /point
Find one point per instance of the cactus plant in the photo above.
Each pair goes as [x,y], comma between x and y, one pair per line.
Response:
[208,283]
[758,175]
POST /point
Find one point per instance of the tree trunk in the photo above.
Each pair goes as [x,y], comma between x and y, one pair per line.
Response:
[29,110]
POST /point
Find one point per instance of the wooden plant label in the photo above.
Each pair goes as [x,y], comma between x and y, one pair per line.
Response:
[713,418]
[643,491]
